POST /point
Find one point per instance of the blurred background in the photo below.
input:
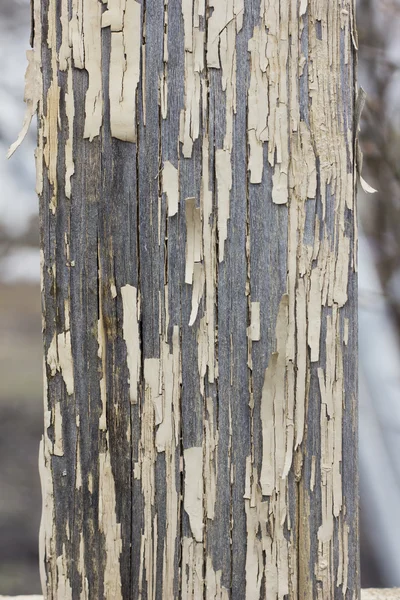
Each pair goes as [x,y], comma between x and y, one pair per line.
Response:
[379,306]
[20,320]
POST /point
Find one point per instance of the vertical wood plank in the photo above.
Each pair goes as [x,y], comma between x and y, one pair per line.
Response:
[198,234]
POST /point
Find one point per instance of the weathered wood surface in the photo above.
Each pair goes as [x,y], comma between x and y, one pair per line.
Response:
[368,594]
[196,183]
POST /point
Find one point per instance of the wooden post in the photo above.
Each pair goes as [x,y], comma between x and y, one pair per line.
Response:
[196,178]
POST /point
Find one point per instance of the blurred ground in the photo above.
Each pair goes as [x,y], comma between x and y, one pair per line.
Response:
[382,594]
[20,432]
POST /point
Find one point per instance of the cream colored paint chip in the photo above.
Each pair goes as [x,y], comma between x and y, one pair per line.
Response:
[114,15]
[131,337]
[254,331]
[69,145]
[124,69]
[193,498]
[224,186]
[76,34]
[92,49]
[197,292]
[170,182]
[65,360]
[110,528]
[32,95]
[368,189]
[193,238]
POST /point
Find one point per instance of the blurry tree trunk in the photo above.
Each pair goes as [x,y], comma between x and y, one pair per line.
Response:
[379,294]
[196,183]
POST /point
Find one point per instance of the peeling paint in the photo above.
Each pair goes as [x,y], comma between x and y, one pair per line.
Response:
[170,181]
[76,34]
[209,250]
[32,95]
[240,153]
[198,289]
[69,156]
[65,360]
[92,47]
[51,112]
[52,356]
[59,358]
[224,185]
[194,65]
[193,498]
[131,337]
[273,409]
[253,330]
[167,440]
[193,238]
[258,103]
[215,589]
[192,569]
[46,534]
[110,528]
[63,583]
[147,473]
[125,22]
